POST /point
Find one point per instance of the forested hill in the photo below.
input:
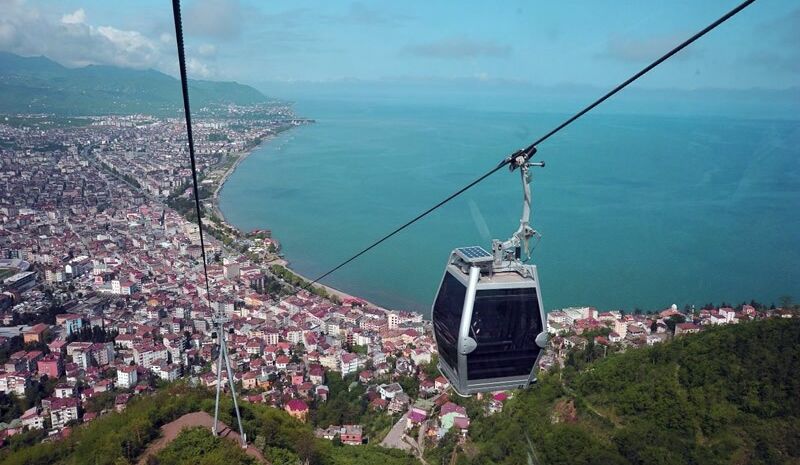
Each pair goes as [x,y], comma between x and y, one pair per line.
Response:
[730,395]
[40,85]
[121,438]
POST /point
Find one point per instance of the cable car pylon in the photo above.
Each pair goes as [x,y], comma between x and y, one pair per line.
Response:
[219,325]
[219,318]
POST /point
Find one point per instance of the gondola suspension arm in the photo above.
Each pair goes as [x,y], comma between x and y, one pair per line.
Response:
[518,247]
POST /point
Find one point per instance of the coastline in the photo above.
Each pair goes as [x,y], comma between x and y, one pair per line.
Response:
[216,210]
[241,156]
[332,290]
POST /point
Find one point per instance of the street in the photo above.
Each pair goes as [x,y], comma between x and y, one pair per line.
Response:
[395,437]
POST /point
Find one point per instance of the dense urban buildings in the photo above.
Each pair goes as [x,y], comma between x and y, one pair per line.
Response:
[103,294]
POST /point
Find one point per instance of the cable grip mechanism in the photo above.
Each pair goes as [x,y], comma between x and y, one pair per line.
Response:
[517,247]
[521,158]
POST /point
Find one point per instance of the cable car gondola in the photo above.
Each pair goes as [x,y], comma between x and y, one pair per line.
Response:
[488,317]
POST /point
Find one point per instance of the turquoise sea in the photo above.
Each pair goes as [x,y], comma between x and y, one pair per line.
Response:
[635,210]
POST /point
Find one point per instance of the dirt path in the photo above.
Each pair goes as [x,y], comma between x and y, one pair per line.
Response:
[171,430]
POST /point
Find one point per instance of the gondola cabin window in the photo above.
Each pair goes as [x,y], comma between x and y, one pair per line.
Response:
[505,323]
[447,317]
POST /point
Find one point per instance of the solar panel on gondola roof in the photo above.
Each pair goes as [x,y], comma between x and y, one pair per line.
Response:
[474,254]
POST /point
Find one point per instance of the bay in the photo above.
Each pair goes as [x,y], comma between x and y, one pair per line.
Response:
[635,211]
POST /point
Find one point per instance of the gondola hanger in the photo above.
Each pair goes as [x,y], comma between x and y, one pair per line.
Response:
[488,317]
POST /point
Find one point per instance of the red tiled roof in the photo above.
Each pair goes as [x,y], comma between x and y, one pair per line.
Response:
[296,405]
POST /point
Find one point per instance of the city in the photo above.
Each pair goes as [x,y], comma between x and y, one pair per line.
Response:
[103,296]
[224,225]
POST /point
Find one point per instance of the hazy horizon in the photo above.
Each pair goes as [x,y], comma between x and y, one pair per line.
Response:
[313,41]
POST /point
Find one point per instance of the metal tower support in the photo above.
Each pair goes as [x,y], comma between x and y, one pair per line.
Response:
[223,356]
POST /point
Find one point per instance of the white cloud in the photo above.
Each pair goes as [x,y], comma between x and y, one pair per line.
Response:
[196,69]
[71,40]
[207,50]
[76,17]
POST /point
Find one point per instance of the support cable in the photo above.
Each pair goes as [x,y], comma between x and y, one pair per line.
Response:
[176,12]
[523,155]
[219,319]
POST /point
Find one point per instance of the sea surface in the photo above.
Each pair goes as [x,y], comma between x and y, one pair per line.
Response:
[635,210]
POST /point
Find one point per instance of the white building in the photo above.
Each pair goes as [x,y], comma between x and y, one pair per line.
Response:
[54,275]
[330,362]
[147,355]
[167,371]
[394,320]
[32,419]
[63,391]
[348,363]
[271,338]
[420,356]
[127,377]
[82,358]
[230,268]
[10,382]
[294,335]
[62,411]
[389,391]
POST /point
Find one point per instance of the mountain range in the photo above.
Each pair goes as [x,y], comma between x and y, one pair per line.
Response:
[40,85]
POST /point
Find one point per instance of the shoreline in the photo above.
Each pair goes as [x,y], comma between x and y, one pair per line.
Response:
[217,210]
[332,290]
[241,156]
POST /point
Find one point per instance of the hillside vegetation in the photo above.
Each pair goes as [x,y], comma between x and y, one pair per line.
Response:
[120,438]
[727,395]
[40,85]
[197,446]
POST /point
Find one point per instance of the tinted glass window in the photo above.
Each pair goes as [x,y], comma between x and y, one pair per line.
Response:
[447,318]
[505,323]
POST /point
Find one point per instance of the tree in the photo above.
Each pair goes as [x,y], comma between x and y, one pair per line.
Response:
[652,405]
[674,320]
[410,385]
[431,369]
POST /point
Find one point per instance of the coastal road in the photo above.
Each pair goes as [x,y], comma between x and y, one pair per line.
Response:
[395,437]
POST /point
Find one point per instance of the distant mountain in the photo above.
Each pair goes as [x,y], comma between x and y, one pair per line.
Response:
[525,97]
[40,85]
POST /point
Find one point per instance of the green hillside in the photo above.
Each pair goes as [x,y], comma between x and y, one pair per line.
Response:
[120,438]
[730,395]
[197,446]
[40,85]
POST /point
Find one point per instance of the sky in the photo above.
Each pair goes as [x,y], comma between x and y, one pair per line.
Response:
[543,43]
